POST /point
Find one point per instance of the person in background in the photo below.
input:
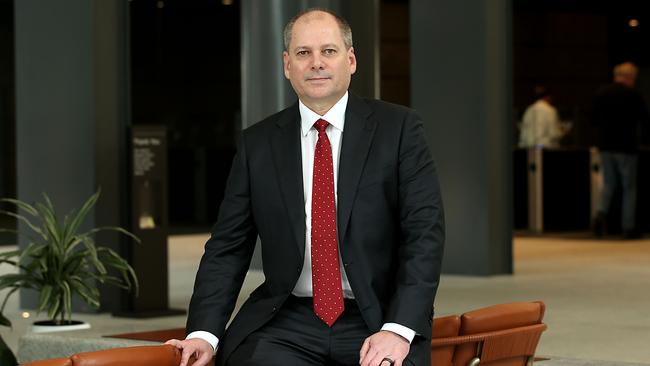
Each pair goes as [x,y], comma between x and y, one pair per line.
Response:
[619,112]
[540,125]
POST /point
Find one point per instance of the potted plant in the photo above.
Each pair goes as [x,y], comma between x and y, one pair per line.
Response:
[61,261]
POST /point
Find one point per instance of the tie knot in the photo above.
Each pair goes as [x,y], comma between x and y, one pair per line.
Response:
[321,125]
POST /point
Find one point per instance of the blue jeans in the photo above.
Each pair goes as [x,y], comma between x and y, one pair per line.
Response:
[619,168]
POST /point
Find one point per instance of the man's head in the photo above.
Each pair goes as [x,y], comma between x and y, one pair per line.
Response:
[625,74]
[319,58]
[542,93]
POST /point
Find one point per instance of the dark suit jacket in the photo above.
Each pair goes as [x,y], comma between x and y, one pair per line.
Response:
[390,225]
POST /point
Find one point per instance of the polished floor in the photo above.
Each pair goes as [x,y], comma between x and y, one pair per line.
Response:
[597,294]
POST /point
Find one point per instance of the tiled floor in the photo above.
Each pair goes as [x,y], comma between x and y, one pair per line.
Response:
[597,294]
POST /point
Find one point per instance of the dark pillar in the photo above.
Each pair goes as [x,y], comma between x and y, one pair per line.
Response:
[363,16]
[54,105]
[7,120]
[461,85]
[71,113]
[112,119]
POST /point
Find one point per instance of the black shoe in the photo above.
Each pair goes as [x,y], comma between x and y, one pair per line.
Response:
[631,234]
[599,225]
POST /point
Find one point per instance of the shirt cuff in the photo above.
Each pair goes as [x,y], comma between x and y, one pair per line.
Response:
[206,336]
[401,330]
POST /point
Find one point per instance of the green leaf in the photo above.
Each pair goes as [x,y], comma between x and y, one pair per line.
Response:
[11,253]
[89,294]
[67,301]
[90,245]
[54,305]
[112,228]
[11,279]
[21,205]
[45,297]
[24,220]
[33,250]
[4,321]
[81,215]
[19,233]
[73,263]
[74,244]
[115,261]
[4,302]
[51,225]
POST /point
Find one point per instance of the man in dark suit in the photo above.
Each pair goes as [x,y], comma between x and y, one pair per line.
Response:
[343,194]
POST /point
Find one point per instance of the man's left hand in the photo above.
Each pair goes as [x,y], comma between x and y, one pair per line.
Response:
[384,345]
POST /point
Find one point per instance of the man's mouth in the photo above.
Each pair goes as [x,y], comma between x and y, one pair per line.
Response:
[318,78]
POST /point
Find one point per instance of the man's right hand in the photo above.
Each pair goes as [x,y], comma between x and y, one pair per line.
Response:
[199,348]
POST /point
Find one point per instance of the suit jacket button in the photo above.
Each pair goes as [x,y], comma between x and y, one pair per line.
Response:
[274,309]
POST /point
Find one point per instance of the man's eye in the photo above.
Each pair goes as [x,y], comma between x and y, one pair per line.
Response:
[302,53]
[329,51]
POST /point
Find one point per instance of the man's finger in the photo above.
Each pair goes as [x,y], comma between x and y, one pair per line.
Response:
[204,358]
[185,356]
[364,350]
[371,358]
[174,342]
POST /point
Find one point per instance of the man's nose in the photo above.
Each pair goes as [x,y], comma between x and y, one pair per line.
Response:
[317,62]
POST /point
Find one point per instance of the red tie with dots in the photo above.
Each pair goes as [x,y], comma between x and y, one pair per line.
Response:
[325,271]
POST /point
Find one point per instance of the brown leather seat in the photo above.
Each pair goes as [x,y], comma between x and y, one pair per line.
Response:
[499,335]
[164,355]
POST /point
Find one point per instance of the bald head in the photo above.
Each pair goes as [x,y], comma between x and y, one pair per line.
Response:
[625,74]
[318,13]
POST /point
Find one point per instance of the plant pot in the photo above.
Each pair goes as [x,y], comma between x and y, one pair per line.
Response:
[48,326]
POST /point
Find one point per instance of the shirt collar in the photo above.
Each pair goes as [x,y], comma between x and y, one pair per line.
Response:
[335,116]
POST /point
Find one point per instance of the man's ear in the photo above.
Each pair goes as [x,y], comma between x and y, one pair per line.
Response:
[352,58]
[285,61]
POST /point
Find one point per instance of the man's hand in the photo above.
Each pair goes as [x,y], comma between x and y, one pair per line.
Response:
[199,348]
[384,344]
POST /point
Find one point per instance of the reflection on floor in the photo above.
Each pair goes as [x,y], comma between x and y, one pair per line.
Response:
[597,294]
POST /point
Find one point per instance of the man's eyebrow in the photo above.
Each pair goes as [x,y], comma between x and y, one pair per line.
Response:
[330,45]
[327,45]
[301,48]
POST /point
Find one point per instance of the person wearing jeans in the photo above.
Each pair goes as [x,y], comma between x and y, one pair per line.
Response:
[620,168]
[619,112]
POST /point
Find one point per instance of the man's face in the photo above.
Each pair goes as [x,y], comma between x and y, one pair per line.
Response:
[627,80]
[317,63]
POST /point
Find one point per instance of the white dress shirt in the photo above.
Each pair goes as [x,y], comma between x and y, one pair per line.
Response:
[540,126]
[308,138]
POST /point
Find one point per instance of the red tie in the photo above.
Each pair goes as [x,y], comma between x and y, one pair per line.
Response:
[325,271]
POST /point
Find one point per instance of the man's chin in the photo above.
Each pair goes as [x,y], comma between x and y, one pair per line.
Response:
[317,95]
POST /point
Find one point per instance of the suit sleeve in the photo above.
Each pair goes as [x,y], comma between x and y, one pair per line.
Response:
[421,232]
[227,254]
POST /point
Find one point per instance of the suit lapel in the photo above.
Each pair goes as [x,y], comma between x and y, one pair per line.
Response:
[358,133]
[285,145]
